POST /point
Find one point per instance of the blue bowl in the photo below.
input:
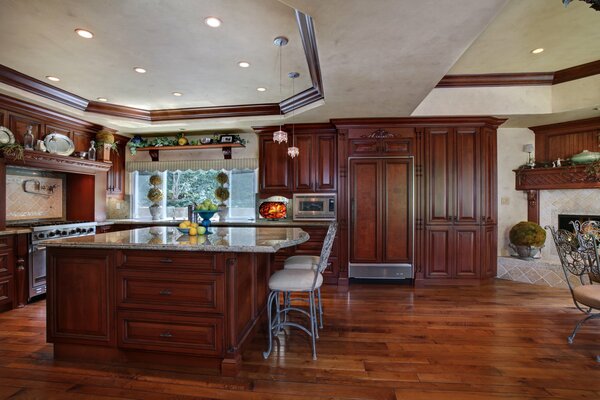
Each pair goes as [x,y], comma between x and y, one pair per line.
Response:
[206,214]
[185,231]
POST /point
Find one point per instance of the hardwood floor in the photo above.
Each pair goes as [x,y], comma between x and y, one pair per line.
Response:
[505,340]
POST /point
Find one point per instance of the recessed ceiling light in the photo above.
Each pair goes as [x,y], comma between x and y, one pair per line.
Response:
[84,34]
[102,99]
[177,94]
[537,51]
[261,89]
[213,22]
[53,78]
[244,64]
[139,70]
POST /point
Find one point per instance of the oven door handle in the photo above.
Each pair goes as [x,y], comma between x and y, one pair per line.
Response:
[37,247]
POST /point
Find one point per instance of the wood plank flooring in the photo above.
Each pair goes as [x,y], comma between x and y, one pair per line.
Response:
[505,340]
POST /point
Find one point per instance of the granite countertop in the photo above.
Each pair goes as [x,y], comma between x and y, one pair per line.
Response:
[233,222]
[237,239]
[14,231]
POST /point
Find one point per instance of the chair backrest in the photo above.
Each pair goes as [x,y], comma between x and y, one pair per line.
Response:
[325,250]
[588,234]
[578,256]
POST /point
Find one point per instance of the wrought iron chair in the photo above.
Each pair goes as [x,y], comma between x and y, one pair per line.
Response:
[289,281]
[578,253]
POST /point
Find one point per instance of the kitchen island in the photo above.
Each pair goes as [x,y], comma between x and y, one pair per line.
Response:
[153,295]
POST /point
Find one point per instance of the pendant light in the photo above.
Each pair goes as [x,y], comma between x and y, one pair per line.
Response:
[293,151]
[280,136]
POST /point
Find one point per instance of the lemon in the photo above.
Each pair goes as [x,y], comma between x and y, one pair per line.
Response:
[183,225]
[194,225]
[193,239]
[193,232]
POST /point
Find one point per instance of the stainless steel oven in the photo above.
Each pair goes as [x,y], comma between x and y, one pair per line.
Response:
[314,206]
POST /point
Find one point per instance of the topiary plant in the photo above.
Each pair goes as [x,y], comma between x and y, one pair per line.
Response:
[527,234]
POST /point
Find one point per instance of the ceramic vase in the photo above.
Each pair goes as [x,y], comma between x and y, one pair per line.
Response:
[155,211]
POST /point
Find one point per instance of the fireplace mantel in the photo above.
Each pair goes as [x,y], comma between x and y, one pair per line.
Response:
[572,177]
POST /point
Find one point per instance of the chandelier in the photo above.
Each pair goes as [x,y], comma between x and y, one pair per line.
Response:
[595,4]
[293,151]
[280,136]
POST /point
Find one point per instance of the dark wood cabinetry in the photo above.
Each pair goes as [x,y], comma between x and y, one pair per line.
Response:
[13,276]
[115,179]
[381,199]
[313,170]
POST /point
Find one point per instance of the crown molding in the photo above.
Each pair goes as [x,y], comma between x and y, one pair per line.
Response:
[418,122]
[521,79]
[19,80]
[308,96]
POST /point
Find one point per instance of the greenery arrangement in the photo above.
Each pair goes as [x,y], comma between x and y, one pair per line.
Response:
[527,234]
[106,138]
[155,180]
[155,195]
[13,151]
[180,140]
[592,171]
[221,192]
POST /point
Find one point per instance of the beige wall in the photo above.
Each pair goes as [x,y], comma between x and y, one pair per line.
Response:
[512,204]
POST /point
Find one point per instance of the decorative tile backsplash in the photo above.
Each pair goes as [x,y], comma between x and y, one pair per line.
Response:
[30,197]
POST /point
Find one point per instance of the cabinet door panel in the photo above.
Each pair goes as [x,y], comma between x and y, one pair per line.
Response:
[274,166]
[18,125]
[466,251]
[489,264]
[363,147]
[304,164]
[439,172]
[438,257]
[80,297]
[326,173]
[82,140]
[489,182]
[397,211]
[364,206]
[48,129]
[395,147]
[467,174]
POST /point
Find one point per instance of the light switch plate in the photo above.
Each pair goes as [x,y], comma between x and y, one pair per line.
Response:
[505,201]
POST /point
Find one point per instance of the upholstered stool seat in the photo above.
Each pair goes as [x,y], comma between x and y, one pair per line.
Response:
[301,262]
[588,295]
[295,280]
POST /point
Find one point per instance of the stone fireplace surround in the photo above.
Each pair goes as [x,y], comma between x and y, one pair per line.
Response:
[547,270]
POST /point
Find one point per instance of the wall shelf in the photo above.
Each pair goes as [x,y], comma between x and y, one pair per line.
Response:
[55,162]
[226,147]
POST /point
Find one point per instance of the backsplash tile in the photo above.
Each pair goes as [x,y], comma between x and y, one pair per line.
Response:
[34,197]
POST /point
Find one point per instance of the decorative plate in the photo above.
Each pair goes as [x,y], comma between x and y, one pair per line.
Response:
[57,143]
[6,136]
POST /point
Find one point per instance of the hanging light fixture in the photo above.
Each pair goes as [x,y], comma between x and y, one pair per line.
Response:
[595,4]
[280,136]
[293,151]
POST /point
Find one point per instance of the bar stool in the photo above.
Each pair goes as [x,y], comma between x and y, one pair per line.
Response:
[311,262]
[300,280]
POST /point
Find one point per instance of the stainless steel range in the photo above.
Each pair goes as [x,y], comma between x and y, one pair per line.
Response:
[42,231]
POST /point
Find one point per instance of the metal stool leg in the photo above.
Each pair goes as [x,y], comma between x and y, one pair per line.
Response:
[320,309]
[270,333]
[313,323]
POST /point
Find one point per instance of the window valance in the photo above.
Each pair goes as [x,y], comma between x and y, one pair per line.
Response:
[193,165]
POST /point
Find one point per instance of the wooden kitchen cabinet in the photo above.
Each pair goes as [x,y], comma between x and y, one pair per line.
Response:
[274,169]
[381,211]
[18,124]
[313,170]
[115,180]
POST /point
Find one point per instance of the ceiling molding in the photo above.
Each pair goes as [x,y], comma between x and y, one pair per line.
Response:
[304,98]
[16,79]
[580,125]
[522,78]
[577,72]
[417,122]
[512,79]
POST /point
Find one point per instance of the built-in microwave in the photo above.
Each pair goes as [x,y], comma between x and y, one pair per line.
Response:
[314,206]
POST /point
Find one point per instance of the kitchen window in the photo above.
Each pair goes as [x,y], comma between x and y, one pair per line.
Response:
[182,188]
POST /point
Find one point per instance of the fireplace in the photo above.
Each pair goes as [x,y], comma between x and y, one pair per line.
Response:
[564,220]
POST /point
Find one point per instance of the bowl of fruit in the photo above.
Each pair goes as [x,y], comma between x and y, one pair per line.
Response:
[206,210]
[191,228]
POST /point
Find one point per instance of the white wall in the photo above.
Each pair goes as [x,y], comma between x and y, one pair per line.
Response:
[512,204]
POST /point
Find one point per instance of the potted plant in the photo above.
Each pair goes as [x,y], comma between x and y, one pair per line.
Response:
[222,194]
[527,239]
[155,195]
[105,143]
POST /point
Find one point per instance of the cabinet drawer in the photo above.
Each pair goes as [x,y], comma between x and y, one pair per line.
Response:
[6,261]
[168,292]
[6,290]
[170,260]
[170,333]
[6,242]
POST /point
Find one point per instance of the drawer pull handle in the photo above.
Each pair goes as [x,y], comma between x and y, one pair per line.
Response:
[166,334]
[165,292]
[166,260]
